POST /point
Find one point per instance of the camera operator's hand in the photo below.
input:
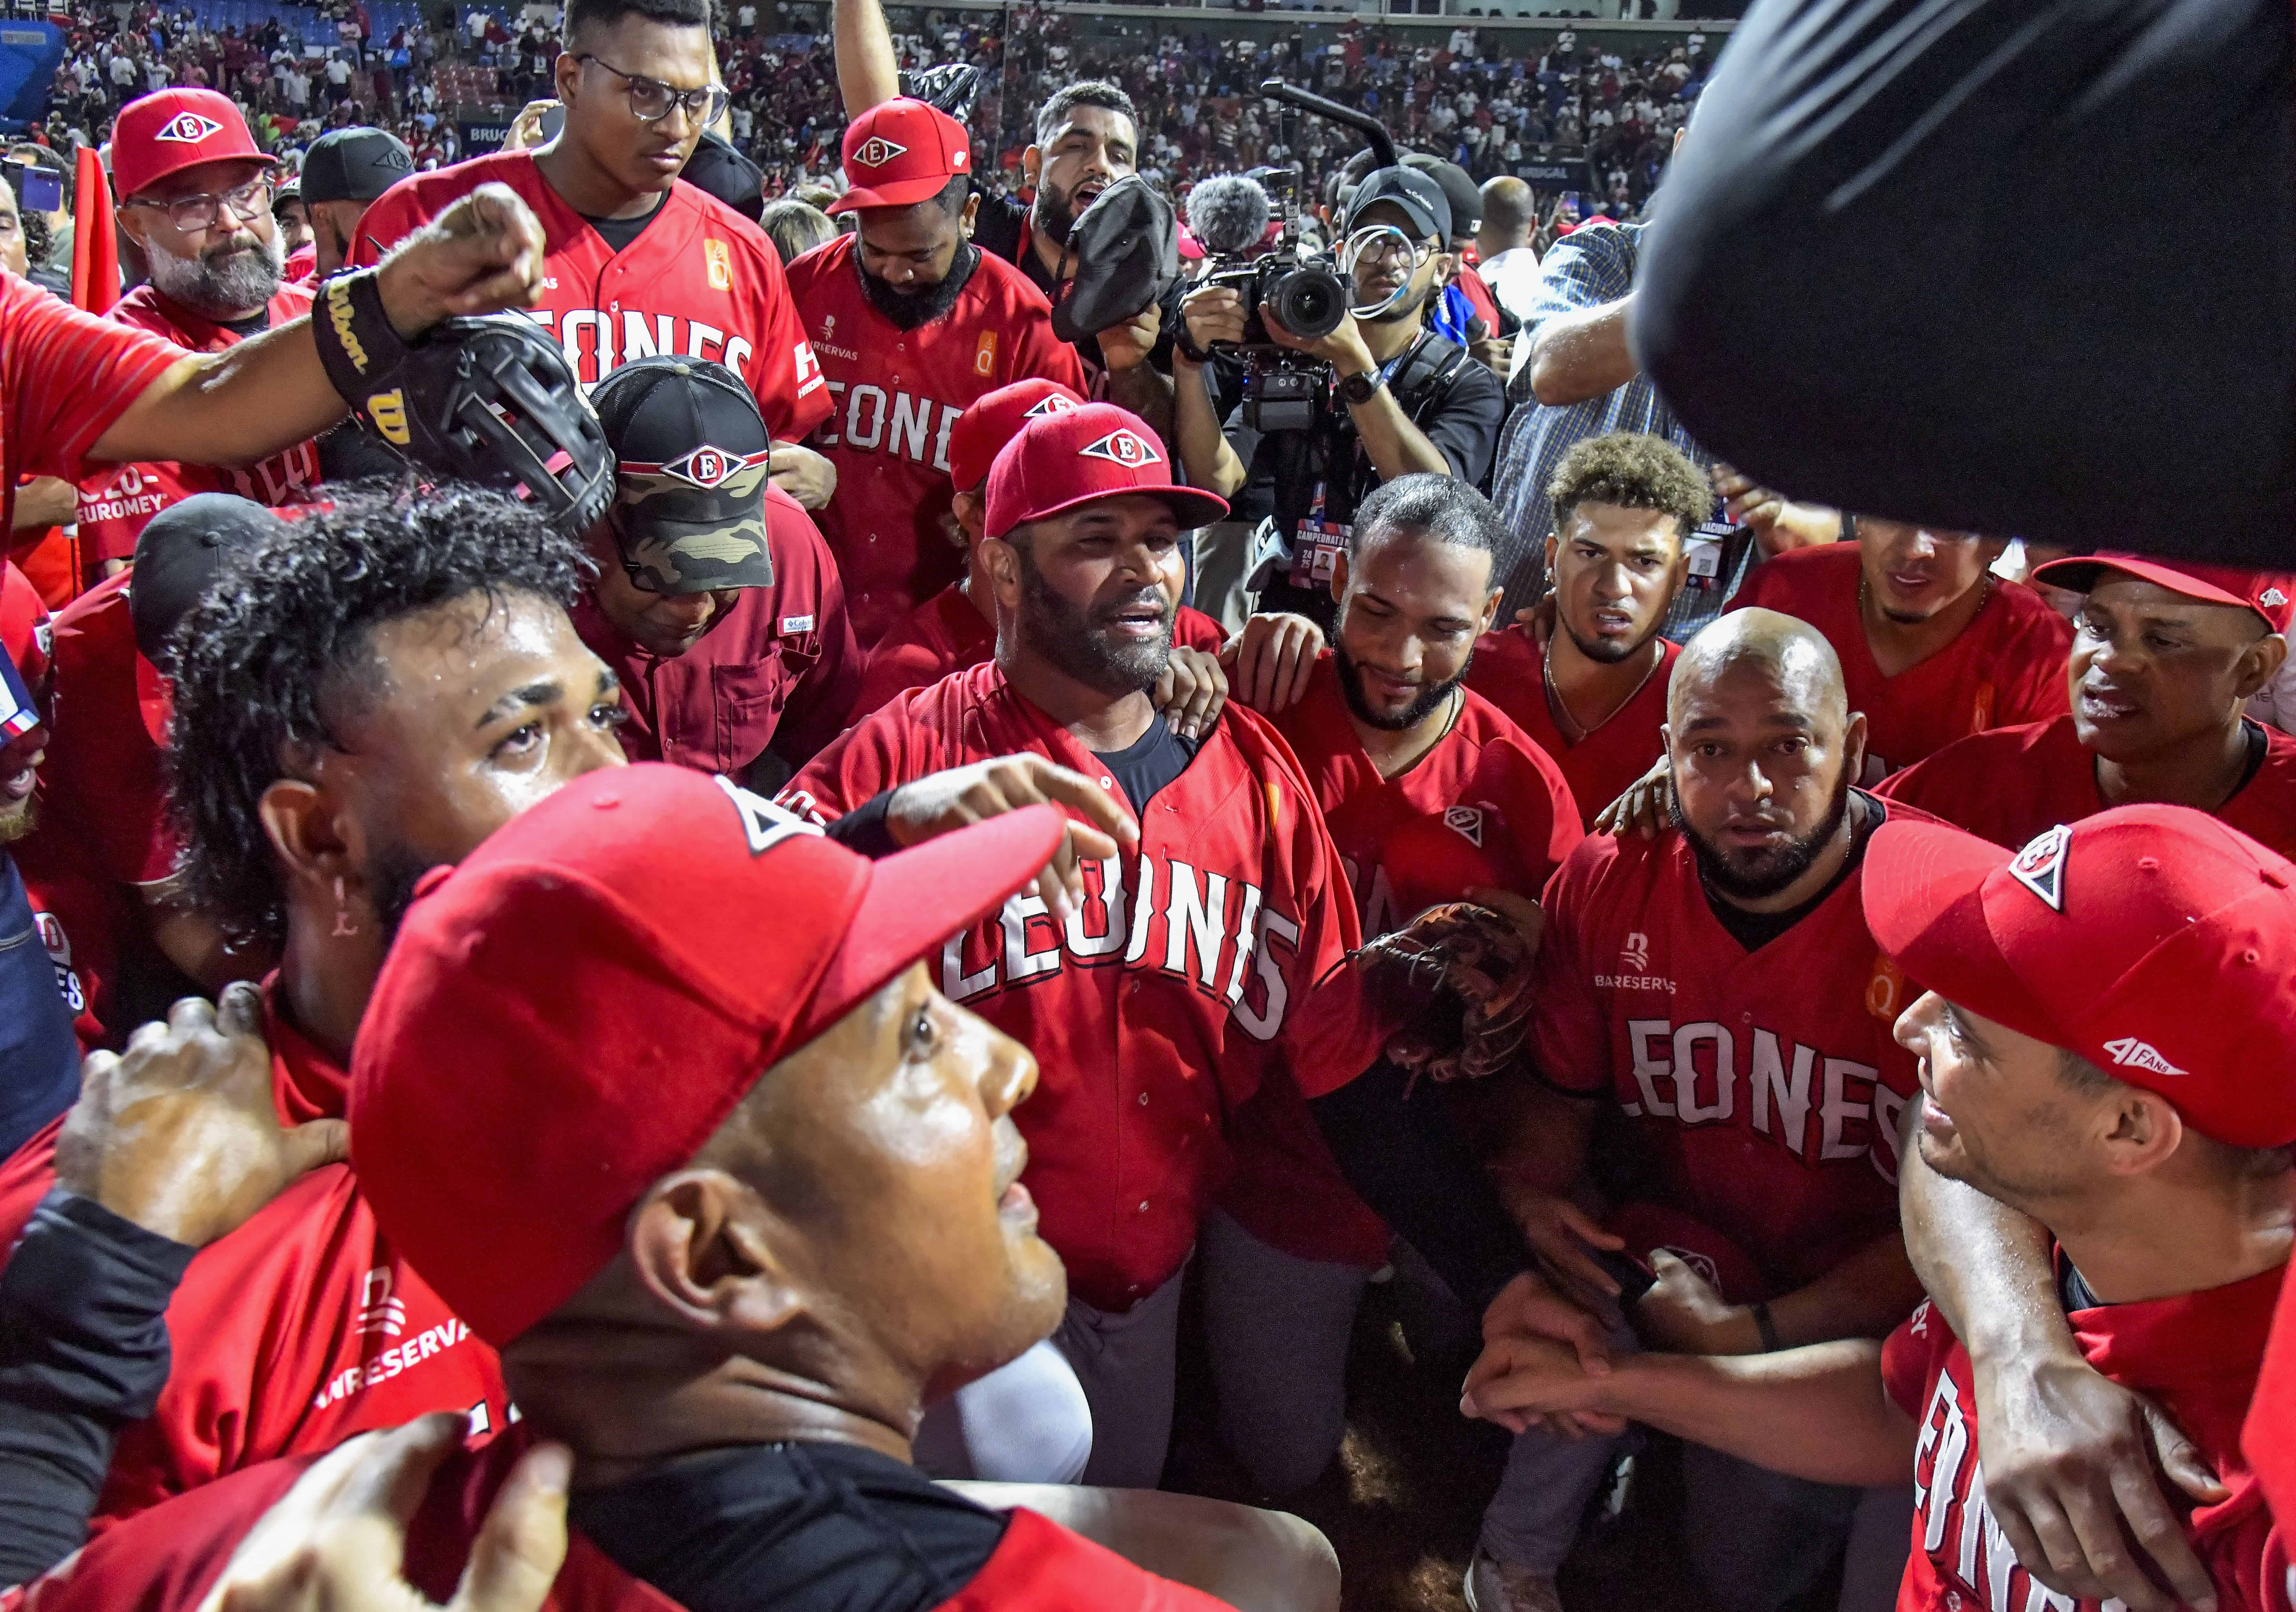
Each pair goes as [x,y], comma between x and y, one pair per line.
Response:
[1343,349]
[1212,313]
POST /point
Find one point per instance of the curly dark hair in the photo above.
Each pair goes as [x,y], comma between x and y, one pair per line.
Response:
[1631,470]
[279,649]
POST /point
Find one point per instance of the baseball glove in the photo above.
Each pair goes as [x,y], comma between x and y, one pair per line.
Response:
[1458,978]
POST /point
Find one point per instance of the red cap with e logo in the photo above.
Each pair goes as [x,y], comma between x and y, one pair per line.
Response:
[1060,461]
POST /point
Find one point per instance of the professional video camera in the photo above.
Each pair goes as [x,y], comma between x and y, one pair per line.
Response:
[1307,291]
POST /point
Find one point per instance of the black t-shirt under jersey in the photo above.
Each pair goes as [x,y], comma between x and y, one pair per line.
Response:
[1148,763]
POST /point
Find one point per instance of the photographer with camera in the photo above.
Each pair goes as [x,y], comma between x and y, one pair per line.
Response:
[1335,399]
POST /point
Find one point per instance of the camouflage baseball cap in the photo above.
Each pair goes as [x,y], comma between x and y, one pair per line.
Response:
[692,455]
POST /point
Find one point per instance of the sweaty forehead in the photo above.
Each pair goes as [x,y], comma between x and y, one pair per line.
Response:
[1786,689]
[677,53]
[1101,123]
[450,663]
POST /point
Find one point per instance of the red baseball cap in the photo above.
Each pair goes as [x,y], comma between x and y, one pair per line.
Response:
[1058,461]
[2272,594]
[995,419]
[900,153]
[175,130]
[2153,940]
[572,1011]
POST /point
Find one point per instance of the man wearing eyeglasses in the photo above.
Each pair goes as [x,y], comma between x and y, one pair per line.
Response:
[716,601]
[637,262]
[196,197]
[1397,398]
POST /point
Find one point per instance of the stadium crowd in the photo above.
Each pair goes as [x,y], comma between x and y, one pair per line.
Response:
[672,949]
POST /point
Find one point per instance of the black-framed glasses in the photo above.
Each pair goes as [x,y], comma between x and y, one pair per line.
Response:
[650,99]
[191,214]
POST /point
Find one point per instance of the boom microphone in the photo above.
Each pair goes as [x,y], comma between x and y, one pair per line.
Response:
[1227,214]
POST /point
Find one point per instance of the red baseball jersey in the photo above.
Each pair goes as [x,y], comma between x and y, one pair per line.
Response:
[702,282]
[2196,1356]
[780,663]
[1767,1085]
[894,394]
[1161,1006]
[2013,783]
[2007,666]
[294,1332]
[116,500]
[81,915]
[948,633]
[1510,671]
[65,376]
[168,1560]
[1485,806]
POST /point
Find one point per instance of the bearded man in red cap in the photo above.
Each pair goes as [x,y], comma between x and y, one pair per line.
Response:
[910,322]
[730,1293]
[2165,656]
[2086,1033]
[195,197]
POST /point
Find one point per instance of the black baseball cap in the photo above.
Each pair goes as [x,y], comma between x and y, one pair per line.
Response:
[356,164]
[1421,199]
[692,458]
[1459,190]
[717,169]
[178,554]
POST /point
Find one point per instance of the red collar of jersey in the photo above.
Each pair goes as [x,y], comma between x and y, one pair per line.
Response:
[305,1083]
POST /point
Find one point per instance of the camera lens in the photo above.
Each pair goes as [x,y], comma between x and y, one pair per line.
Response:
[1309,300]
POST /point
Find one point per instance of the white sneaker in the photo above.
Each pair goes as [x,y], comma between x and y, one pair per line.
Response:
[1495,1586]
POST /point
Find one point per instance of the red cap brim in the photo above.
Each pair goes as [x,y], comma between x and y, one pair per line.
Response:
[919,898]
[155,699]
[2079,575]
[1190,507]
[1922,886]
[893,193]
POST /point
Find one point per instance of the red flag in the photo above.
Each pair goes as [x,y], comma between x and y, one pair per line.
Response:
[95,250]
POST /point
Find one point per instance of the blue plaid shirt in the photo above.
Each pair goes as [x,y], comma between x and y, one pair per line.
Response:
[1586,269]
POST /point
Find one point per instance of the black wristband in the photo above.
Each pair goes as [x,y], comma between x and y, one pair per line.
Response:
[356,344]
[1765,1326]
[1187,347]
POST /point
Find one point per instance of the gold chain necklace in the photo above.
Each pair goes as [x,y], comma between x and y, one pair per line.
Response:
[1561,708]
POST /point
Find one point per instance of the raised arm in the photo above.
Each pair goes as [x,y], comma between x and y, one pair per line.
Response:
[482,255]
[867,71]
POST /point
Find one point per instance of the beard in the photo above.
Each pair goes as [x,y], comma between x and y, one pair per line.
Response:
[908,309]
[391,875]
[234,281]
[19,821]
[1075,641]
[1423,705]
[1056,211]
[1758,875]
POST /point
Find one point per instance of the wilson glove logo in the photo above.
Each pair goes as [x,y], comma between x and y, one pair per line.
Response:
[387,410]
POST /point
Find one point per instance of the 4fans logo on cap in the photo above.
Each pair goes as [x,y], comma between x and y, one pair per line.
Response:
[188,128]
[1123,446]
[877,151]
[709,468]
[2272,598]
[2129,1052]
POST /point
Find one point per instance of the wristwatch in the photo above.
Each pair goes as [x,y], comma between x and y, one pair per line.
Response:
[1357,390]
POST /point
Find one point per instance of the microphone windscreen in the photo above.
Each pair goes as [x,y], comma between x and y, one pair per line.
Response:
[1227,214]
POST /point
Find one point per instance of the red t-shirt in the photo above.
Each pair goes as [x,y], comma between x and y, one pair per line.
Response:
[2011,784]
[81,915]
[1765,1085]
[2194,1355]
[105,781]
[297,1330]
[65,377]
[1188,974]
[895,394]
[1510,671]
[948,633]
[779,663]
[701,281]
[117,500]
[1484,807]
[168,1560]
[2007,666]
